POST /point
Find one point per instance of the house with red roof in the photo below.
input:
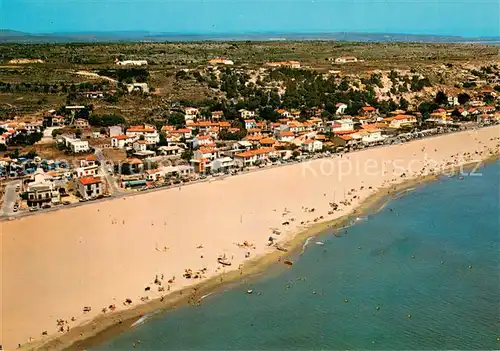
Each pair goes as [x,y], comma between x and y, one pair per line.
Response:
[89,187]
[121,141]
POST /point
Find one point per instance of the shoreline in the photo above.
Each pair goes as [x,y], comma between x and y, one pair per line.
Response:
[125,245]
[105,327]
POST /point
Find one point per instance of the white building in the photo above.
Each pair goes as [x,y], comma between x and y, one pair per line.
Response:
[132,63]
[372,136]
[204,152]
[141,87]
[401,121]
[346,59]
[245,114]
[221,61]
[87,171]
[42,190]
[76,145]
[340,108]
[89,187]
[311,145]
[250,124]
[115,131]
[202,140]
[190,113]
[149,133]
[342,125]
[222,164]
[140,145]
[121,141]
[251,157]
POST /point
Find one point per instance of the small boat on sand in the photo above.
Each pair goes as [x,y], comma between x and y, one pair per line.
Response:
[280,248]
[224,261]
[289,263]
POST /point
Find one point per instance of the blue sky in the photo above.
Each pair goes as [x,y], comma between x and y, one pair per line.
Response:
[445,17]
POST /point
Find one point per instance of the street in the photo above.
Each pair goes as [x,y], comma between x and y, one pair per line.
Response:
[114,190]
[10,198]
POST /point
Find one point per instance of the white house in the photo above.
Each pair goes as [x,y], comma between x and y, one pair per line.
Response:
[340,108]
[242,145]
[204,152]
[286,136]
[140,145]
[250,157]
[115,131]
[342,125]
[401,121]
[94,94]
[171,150]
[141,87]
[250,124]
[89,187]
[41,190]
[87,171]
[132,63]
[311,145]
[221,61]
[222,164]
[149,133]
[346,59]
[453,101]
[372,136]
[121,141]
[245,114]
[77,146]
[202,140]
[190,113]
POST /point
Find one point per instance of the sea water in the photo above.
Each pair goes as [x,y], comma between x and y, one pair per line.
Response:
[422,273]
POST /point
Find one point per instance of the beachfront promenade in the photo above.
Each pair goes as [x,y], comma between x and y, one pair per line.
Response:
[105,252]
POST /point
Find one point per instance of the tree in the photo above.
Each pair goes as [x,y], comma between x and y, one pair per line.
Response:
[426,108]
[441,98]
[488,99]
[163,140]
[269,114]
[463,98]
[176,119]
[403,104]
[56,132]
[187,155]
[105,120]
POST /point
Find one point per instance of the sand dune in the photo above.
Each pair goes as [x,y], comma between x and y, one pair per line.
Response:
[100,254]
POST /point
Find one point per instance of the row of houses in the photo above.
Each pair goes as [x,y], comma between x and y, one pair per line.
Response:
[11,129]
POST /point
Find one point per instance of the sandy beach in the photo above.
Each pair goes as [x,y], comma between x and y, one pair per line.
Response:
[99,255]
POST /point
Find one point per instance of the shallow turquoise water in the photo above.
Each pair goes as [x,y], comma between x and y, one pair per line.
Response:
[432,254]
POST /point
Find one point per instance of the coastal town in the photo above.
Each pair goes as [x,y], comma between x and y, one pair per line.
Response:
[139,176]
[196,143]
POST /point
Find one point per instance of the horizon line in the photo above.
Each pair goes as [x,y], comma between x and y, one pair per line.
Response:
[247,33]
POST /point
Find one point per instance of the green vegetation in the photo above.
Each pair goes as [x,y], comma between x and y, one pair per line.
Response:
[105,120]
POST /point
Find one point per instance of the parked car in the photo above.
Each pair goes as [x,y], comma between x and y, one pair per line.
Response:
[46,206]
[33,209]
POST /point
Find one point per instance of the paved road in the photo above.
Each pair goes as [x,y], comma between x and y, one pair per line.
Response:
[9,198]
[104,170]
